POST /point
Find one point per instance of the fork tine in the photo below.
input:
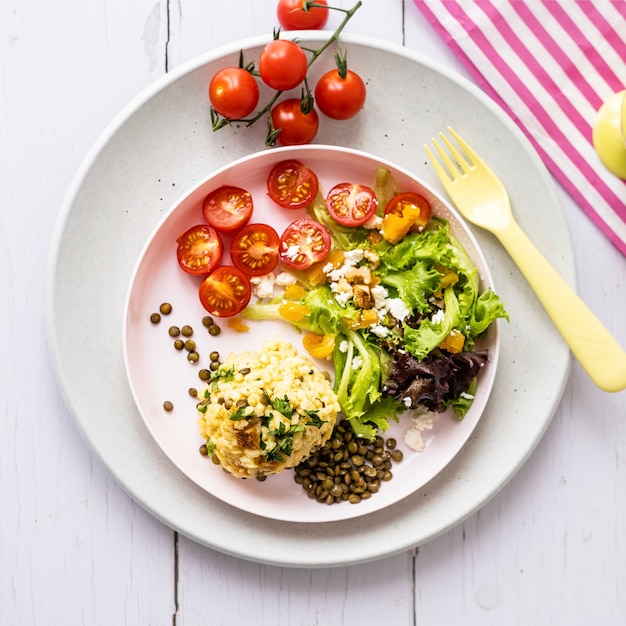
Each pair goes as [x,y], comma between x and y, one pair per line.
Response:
[452,168]
[460,159]
[444,176]
[466,148]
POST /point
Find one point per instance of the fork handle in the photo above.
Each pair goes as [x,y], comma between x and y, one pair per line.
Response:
[590,342]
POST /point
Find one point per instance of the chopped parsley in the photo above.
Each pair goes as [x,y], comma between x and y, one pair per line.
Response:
[284,441]
[239,414]
[314,418]
[283,406]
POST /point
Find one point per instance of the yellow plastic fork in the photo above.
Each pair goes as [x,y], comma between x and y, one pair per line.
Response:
[482,199]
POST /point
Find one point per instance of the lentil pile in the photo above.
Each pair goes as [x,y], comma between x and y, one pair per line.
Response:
[347,469]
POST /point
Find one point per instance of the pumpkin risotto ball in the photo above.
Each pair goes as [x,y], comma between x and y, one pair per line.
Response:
[263,412]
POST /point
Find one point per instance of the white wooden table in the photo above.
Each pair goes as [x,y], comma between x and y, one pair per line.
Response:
[550,548]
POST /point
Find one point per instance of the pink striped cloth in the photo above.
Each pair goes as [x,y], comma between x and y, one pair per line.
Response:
[550,65]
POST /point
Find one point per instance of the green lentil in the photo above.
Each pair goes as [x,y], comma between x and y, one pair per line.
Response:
[193,357]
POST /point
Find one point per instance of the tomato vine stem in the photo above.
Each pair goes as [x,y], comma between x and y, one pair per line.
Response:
[218,122]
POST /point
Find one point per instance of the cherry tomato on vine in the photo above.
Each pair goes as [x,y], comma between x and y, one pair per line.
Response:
[233,92]
[303,243]
[282,64]
[225,292]
[199,249]
[295,126]
[227,208]
[350,204]
[254,249]
[291,184]
[411,206]
[292,16]
[340,98]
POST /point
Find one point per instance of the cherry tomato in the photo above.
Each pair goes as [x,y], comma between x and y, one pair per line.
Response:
[225,292]
[295,126]
[199,249]
[411,206]
[233,92]
[351,204]
[227,208]
[291,15]
[303,243]
[291,184]
[283,64]
[254,249]
[340,98]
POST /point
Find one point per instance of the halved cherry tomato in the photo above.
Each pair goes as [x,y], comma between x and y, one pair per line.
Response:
[292,184]
[292,16]
[225,292]
[340,97]
[303,243]
[296,128]
[199,250]
[411,206]
[351,204]
[254,249]
[233,92]
[227,208]
[282,64]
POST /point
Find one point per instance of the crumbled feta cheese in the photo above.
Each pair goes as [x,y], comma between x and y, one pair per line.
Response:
[398,308]
[343,346]
[357,362]
[379,294]
[374,222]
[337,274]
[407,402]
[342,290]
[438,317]
[414,439]
[467,396]
[423,421]
[379,330]
[352,257]
[285,278]
[263,286]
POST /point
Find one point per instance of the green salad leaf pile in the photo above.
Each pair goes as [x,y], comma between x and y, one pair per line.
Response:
[383,369]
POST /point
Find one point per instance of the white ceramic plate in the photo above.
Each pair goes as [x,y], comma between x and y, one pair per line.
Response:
[160,145]
[157,372]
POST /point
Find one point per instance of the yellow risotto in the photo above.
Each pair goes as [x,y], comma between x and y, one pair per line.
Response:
[263,412]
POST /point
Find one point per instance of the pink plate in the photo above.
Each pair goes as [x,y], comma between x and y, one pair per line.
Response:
[157,372]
